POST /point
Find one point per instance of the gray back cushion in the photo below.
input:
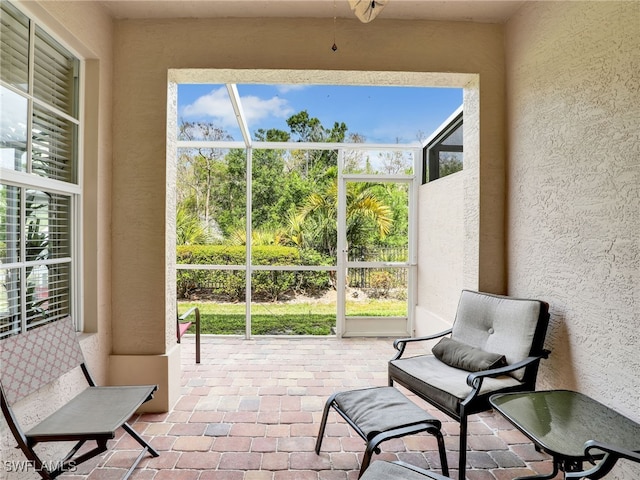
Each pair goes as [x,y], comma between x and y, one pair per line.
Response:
[497,324]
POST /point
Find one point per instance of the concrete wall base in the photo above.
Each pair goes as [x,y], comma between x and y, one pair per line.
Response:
[163,370]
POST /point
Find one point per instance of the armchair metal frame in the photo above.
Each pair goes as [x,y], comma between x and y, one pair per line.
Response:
[477,400]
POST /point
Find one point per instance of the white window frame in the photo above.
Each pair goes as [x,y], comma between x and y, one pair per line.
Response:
[32,181]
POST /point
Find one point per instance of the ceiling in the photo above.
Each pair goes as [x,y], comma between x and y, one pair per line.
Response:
[485,11]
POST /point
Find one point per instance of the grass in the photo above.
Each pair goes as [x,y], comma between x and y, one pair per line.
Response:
[293,318]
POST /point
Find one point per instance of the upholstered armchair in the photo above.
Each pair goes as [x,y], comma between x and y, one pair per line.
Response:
[495,345]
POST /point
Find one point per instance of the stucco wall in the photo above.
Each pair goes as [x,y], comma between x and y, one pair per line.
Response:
[450,236]
[573,189]
[440,253]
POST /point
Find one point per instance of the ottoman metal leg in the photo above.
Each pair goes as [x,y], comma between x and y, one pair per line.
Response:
[372,445]
[323,422]
[376,424]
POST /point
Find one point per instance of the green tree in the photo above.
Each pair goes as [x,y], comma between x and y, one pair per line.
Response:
[305,128]
[269,181]
[212,187]
[199,170]
[367,217]
[189,229]
[396,196]
[230,198]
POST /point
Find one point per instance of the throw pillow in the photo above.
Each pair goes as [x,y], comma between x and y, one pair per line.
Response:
[460,355]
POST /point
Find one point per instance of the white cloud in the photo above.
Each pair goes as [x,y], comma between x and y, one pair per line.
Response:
[290,88]
[216,107]
[256,109]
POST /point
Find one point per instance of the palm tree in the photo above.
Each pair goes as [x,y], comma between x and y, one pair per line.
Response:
[367,216]
[189,229]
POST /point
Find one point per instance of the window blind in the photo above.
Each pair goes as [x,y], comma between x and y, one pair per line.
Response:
[39,132]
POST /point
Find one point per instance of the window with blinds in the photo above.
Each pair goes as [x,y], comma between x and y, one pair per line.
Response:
[39,190]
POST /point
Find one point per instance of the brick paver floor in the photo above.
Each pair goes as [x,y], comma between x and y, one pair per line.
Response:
[252,408]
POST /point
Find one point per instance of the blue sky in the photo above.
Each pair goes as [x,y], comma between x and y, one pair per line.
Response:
[380,114]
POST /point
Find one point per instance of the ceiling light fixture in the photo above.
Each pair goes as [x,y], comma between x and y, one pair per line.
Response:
[367,10]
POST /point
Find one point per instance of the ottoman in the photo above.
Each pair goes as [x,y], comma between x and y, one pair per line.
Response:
[378,414]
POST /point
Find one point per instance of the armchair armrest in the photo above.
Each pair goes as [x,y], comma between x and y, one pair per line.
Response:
[478,377]
[475,379]
[401,343]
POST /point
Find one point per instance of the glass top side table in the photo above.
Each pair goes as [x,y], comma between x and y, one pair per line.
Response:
[560,422]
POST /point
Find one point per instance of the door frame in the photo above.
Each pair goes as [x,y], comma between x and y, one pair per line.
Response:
[345,327]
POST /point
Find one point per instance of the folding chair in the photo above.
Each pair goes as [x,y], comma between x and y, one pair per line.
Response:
[34,359]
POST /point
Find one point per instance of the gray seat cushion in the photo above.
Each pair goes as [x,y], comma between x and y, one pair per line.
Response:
[444,385]
[381,409]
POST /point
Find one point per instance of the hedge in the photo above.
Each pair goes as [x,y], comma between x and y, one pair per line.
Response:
[267,284]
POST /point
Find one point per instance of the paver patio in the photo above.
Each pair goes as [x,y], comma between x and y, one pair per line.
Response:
[252,408]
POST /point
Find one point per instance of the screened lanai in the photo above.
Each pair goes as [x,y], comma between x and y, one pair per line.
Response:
[312,232]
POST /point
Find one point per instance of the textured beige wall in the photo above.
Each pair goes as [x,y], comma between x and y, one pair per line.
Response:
[146,50]
[459,243]
[573,72]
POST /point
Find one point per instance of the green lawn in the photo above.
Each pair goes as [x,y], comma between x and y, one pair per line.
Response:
[294,318]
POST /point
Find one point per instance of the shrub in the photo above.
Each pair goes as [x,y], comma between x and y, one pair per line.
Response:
[269,284]
[313,283]
[381,283]
[227,283]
